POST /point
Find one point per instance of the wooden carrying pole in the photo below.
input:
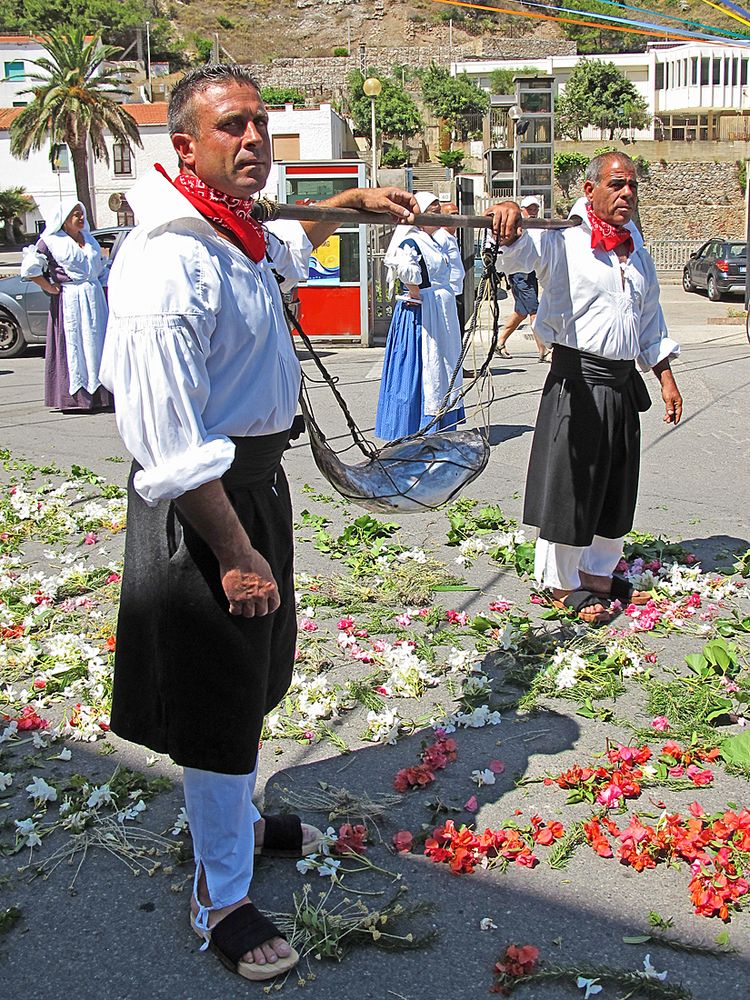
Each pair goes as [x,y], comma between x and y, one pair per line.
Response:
[267,211]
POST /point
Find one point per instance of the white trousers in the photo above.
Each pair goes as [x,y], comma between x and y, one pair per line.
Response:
[222,815]
[559,566]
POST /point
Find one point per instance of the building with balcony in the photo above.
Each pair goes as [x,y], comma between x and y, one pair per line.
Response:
[694,91]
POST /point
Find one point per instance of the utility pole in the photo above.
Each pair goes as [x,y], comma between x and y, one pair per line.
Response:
[148,61]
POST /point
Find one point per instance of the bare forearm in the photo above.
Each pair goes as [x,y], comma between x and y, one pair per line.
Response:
[45,285]
[210,513]
[669,392]
[246,577]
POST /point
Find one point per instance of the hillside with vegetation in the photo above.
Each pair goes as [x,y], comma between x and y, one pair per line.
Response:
[184,31]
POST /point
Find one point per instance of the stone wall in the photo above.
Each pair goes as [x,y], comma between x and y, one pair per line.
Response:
[325,77]
[690,200]
[716,151]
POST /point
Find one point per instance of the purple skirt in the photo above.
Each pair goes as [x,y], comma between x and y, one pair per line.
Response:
[56,376]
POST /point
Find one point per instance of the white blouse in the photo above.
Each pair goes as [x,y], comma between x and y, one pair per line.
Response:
[197,348]
[590,301]
[449,245]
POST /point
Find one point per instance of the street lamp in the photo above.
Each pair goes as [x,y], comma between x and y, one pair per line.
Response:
[372,87]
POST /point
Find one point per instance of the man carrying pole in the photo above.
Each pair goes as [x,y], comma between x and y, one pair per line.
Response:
[600,312]
[206,380]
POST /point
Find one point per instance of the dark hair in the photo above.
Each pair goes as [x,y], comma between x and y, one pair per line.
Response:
[181,112]
[595,167]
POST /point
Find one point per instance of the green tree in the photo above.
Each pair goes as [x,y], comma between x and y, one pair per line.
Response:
[598,39]
[501,80]
[569,168]
[118,22]
[277,97]
[598,94]
[452,158]
[453,98]
[396,114]
[74,103]
[13,202]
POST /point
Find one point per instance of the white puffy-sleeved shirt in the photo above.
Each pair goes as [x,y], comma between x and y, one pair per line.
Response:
[197,348]
[590,301]
[449,245]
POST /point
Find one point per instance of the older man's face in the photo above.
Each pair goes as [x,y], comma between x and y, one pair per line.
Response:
[232,149]
[615,197]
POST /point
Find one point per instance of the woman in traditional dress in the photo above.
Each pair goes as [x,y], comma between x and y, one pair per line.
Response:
[68,264]
[424,339]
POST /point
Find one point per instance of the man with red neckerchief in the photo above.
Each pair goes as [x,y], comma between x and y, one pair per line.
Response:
[600,313]
[206,382]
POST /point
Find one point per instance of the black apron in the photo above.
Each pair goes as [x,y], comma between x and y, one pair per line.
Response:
[585,456]
[191,680]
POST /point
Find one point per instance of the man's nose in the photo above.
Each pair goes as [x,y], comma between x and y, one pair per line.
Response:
[252,136]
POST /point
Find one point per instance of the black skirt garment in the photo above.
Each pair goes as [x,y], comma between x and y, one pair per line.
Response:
[191,680]
[585,456]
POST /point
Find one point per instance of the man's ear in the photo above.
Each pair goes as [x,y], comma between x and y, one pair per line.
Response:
[184,145]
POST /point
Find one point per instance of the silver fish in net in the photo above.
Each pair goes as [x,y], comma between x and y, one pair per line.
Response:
[416,474]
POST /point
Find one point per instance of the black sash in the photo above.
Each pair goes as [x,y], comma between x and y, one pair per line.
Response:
[596,370]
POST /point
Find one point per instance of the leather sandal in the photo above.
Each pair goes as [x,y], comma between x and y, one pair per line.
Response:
[238,933]
[621,589]
[581,599]
[283,838]
[503,352]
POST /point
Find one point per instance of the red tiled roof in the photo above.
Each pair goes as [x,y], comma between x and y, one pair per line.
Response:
[148,114]
[8,116]
[144,114]
[25,39]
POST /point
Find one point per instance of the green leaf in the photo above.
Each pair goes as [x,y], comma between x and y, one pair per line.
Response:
[697,663]
[446,587]
[736,750]
[637,938]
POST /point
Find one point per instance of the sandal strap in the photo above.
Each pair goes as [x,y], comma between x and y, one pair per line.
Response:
[620,589]
[283,832]
[579,600]
[242,930]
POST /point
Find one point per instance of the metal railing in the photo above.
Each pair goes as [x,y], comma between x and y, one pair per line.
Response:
[672,255]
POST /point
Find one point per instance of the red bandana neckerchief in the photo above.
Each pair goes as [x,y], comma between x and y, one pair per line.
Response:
[229,213]
[607,236]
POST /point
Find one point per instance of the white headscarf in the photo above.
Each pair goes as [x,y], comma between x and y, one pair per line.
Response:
[424,199]
[56,212]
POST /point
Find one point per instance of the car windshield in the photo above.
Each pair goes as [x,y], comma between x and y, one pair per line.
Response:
[736,249]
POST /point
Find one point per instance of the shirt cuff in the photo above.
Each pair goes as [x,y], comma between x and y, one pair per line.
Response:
[665,348]
[184,472]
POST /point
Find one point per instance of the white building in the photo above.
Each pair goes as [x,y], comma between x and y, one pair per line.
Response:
[17,52]
[693,90]
[296,134]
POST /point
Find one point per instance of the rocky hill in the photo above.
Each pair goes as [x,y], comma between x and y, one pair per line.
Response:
[260,30]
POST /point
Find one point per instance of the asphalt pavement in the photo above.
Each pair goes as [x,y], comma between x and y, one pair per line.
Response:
[123,938]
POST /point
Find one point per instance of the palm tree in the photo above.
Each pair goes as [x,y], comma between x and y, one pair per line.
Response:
[73,103]
[13,202]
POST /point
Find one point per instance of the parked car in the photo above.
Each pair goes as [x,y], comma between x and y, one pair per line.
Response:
[24,307]
[719,267]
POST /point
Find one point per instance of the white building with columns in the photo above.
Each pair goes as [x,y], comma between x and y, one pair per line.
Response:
[693,90]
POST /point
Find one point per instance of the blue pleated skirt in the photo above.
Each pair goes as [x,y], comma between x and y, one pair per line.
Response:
[401,401]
